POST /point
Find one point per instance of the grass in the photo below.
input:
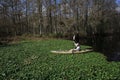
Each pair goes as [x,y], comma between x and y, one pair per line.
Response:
[32,60]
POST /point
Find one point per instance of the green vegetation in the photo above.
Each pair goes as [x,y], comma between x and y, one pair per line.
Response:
[32,60]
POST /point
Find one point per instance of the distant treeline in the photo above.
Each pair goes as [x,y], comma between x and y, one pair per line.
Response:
[43,17]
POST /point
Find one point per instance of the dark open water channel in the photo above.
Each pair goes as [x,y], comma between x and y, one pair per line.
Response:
[108,45]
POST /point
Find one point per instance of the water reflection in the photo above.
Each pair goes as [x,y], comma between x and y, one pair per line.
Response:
[108,45]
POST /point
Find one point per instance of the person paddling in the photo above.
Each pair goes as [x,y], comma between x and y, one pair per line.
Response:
[76,40]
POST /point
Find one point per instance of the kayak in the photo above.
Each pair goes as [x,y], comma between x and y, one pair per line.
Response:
[72,51]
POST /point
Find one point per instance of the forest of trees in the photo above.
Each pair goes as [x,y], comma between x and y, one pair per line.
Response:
[43,17]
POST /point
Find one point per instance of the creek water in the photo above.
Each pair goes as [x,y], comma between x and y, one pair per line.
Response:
[108,45]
